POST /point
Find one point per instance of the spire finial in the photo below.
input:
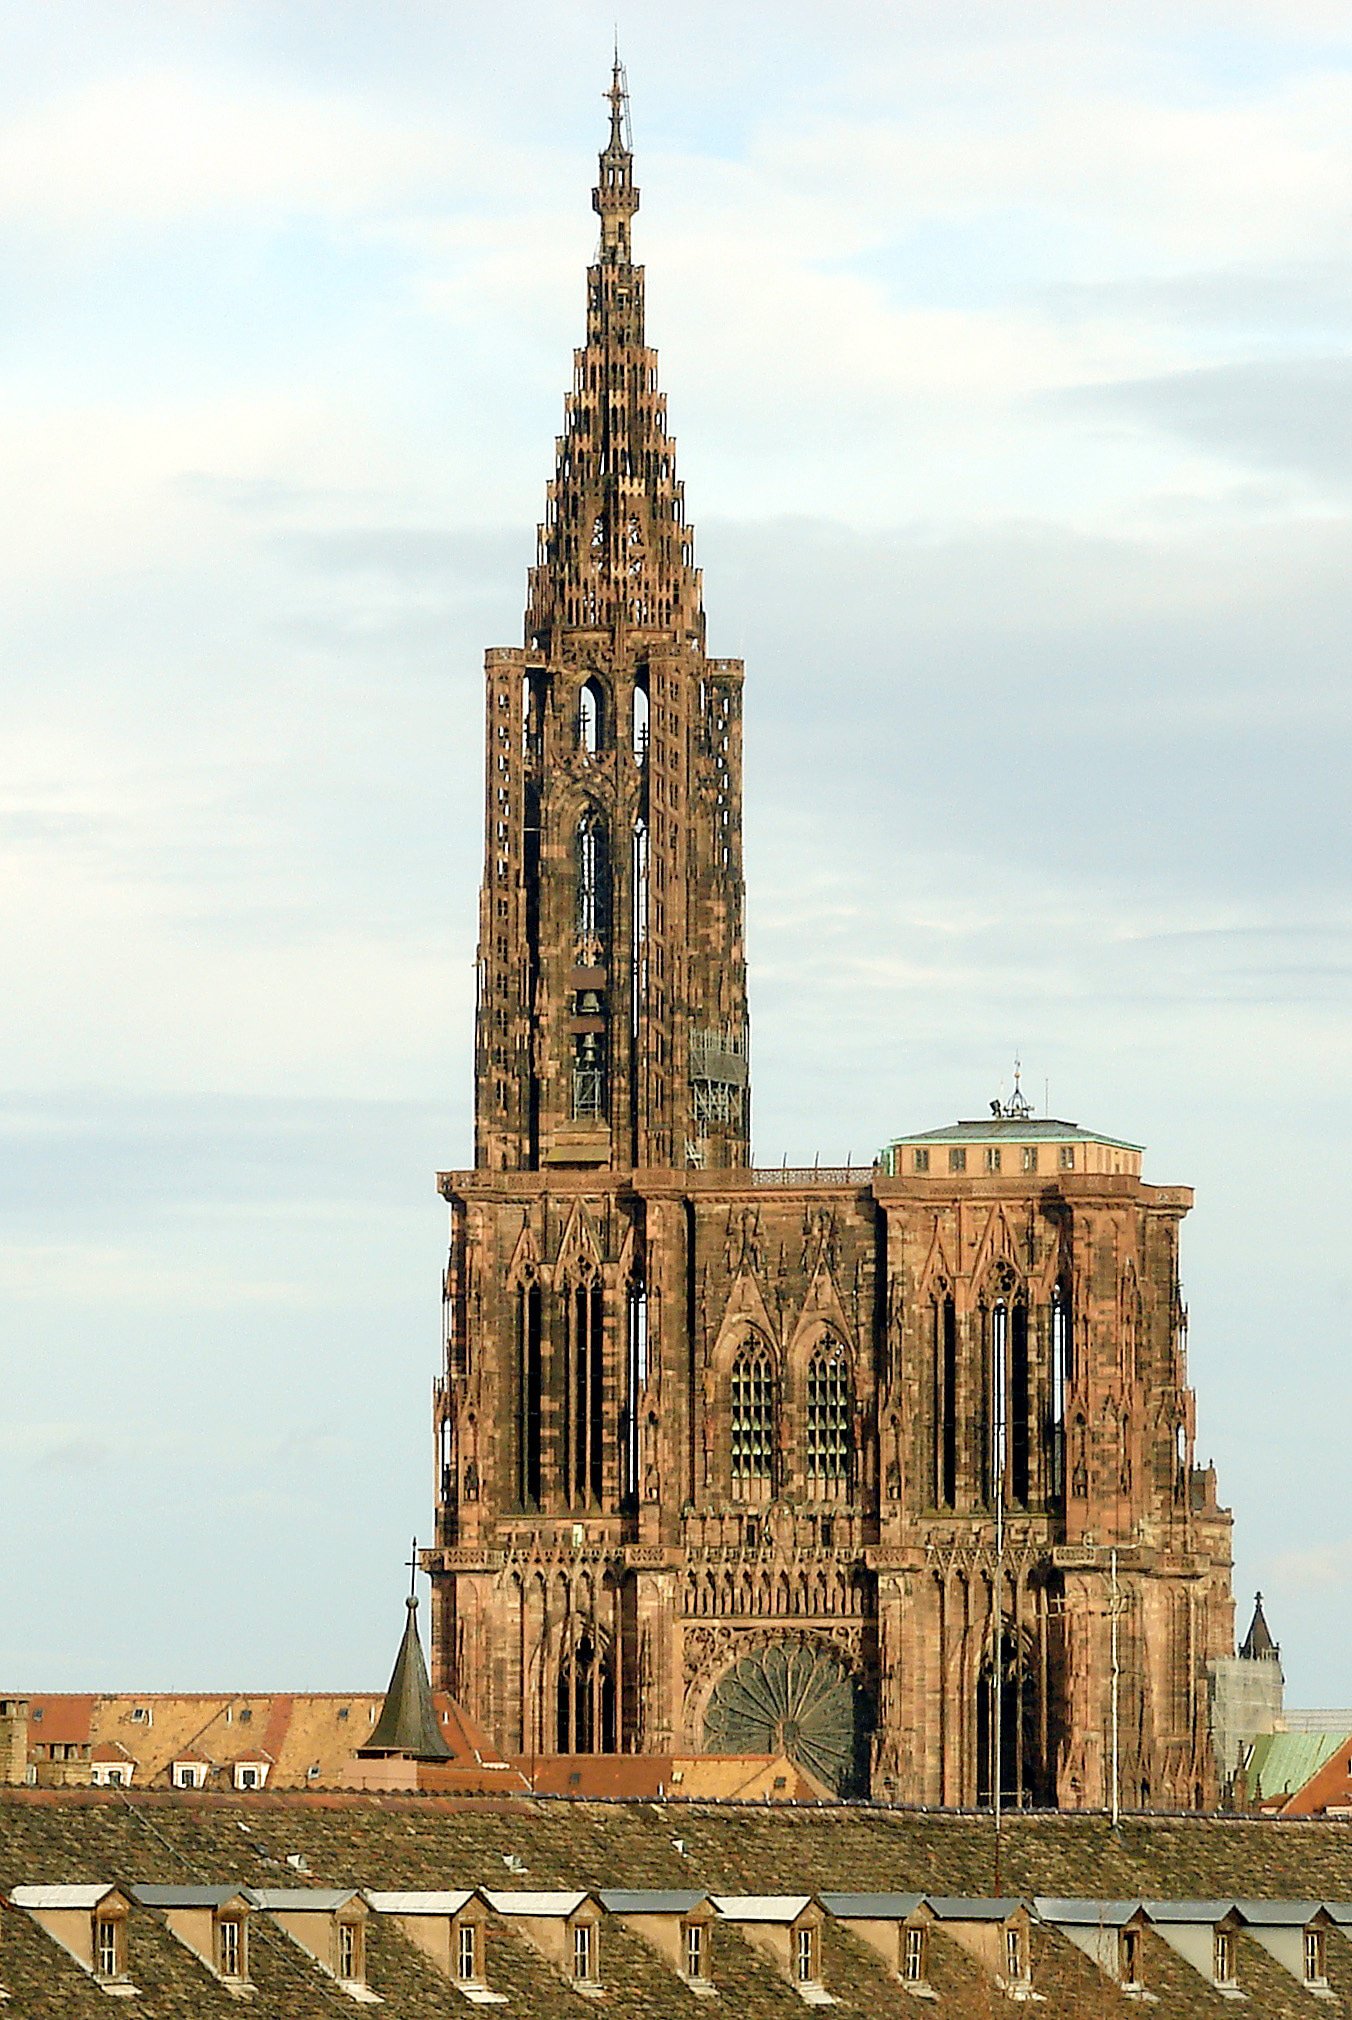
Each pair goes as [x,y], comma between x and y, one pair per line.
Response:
[618,98]
[413,1573]
[615,199]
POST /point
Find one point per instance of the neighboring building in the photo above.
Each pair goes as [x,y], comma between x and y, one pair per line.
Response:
[212,1740]
[721,1449]
[1247,1693]
[1299,1774]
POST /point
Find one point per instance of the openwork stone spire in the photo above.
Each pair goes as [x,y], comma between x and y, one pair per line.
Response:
[614,550]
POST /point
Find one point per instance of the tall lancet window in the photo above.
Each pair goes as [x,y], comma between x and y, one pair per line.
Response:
[828,1419]
[593,884]
[753,1421]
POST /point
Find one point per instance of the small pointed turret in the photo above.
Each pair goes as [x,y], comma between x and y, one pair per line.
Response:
[1258,1645]
[408,1721]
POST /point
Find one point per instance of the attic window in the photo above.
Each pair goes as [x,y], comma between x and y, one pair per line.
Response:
[574,1780]
[108,1946]
[349,1951]
[344,1711]
[1224,1972]
[246,1715]
[1067,1157]
[584,1962]
[957,1160]
[1016,1959]
[37,1714]
[230,1947]
[1314,1957]
[189,1774]
[913,1957]
[140,1714]
[781,1781]
[922,1160]
[1130,1963]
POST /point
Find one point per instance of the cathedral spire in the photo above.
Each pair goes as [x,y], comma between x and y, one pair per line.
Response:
[614,549]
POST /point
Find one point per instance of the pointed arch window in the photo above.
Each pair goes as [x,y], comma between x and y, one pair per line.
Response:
[590,717]
[585,1702]
[945,1386]
[829,1413]
[753,1417]
[1061,1374]
[593,878]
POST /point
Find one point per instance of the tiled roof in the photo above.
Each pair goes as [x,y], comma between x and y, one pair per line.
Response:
[65,1719]
[414,1843]
[705,1777]
[293,1731]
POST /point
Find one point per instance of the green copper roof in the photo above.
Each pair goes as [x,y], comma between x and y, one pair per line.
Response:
[408,1719]
[1283,1762]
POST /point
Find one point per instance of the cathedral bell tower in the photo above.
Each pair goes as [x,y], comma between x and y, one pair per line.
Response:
[611,1026]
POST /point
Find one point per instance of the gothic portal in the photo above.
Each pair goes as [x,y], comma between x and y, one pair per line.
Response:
[878,1467]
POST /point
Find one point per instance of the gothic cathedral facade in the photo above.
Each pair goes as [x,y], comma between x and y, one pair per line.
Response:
[889,1468]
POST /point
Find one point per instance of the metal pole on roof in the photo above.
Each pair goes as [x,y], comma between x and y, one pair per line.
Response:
[1113,1649]
[999,1345]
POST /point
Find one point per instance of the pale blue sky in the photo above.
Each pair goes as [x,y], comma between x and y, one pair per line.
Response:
[1007,350]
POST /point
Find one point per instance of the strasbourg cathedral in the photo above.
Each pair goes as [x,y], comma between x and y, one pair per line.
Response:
[889,1469]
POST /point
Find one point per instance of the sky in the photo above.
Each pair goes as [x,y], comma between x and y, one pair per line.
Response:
[1006,346]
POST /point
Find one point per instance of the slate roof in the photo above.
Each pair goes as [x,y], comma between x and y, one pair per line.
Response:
[651,1900]
[300,1900]
[151,1896]
[962,1908]
[1258,1645]
[1079,1913]
[871,1907]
